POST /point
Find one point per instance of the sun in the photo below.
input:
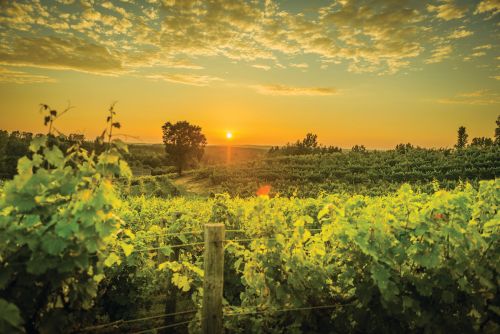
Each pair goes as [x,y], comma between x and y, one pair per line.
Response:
[229,135]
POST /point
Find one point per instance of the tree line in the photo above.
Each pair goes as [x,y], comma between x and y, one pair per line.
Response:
[184,146]
[310,145]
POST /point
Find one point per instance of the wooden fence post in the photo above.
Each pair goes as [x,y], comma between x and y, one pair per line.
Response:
[213,279]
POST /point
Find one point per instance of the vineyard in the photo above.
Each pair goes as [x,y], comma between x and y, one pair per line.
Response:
[369,173]
[79,254]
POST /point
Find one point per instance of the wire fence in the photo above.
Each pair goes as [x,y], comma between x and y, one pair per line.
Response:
[191,244]
[202,243]
[199,232]
[149,330]
[121,322]
[228,312]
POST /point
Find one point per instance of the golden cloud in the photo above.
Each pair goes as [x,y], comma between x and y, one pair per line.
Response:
[439,54]
[462,33]
[480,97]
[380,36]
[19,77]
[262,67]
[294,91]
[448,10]
[186,79]
[59,53]
[485,6]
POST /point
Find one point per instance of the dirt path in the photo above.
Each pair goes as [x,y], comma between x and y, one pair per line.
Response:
[189,186]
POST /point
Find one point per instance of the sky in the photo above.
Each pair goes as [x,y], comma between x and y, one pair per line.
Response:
[371,72]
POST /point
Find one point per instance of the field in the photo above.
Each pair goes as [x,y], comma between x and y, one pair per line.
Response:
[368,173]
[344,242]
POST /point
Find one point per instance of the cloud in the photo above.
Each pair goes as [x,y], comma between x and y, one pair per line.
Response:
[294,91]
[485,6]
[374,36]
[180,63]
[478,54]
[448,10]
[462,33]
[480,97]
[109,5]
[439,54]
[186,79]
[483,47]
[300,65]
[19,77]
[262,67]
[59,53]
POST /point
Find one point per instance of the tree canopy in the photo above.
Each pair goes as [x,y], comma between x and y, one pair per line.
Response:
[184,144]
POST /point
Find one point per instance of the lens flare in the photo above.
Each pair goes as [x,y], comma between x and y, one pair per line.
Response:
[264,190]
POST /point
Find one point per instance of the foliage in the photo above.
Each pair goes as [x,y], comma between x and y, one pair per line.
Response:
[405,262]
[404,148]
[482,142]
[74,253]
[401,263]
[157,186]
[370,173]
[462,138]
[184,144]
[358,148]
[15,145]
[497,131]
[308,145]
[58,232]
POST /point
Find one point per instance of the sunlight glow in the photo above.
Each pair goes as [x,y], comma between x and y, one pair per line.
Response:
[229,135]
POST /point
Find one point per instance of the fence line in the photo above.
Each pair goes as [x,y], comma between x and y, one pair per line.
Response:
[284,310]
[168,246]
[201,232]
[164,327]
[120,322]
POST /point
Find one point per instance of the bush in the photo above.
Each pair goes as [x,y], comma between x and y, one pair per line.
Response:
[57,229]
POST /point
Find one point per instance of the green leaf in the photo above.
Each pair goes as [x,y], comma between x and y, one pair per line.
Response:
[104,228]
[112,259]
[54,156]
[323,212]
[5,275]
[109,158]
[24,166]
[98,278]
[381,277]
[9,314]
[125,170]
[127,249]
[37,143]
[53,245]
[182,282]
[66,229]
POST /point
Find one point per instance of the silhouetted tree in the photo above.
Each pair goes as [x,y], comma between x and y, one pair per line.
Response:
[308,145]
[310,141]
[184,144]
[358,148]
[481,142]
[404,148]
[462,138]
[497,131]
